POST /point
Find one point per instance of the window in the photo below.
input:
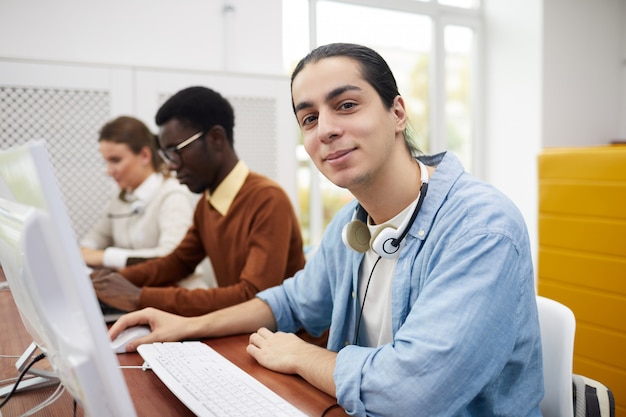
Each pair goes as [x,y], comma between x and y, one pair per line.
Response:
[459,94]
[431,46]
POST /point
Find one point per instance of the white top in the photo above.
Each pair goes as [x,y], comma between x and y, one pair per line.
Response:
[375,328]
[150,223]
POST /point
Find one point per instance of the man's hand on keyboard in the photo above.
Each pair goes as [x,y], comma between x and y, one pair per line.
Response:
[115,290]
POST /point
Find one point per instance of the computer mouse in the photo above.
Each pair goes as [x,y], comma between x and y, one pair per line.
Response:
[127,335]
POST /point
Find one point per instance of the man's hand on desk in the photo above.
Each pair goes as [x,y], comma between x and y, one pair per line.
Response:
[115,290]
[288,354]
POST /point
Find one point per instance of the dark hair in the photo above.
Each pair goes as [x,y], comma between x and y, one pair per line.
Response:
[374,70]
[198,107]
[134,133]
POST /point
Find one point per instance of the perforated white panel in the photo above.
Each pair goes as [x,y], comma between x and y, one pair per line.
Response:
[69,120]
[255,133]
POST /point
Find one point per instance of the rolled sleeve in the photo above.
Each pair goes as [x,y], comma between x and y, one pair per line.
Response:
[347,377]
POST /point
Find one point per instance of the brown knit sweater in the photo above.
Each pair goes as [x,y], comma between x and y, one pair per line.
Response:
[255,246]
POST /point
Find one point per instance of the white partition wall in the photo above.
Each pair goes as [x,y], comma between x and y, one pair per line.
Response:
[67,104]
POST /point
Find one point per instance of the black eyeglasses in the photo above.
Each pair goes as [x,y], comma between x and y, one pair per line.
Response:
[172,153]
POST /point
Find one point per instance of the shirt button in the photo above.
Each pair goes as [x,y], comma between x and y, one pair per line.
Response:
[421,233]
[353,295]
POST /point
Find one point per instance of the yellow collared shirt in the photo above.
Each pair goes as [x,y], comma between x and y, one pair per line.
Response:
[226,192]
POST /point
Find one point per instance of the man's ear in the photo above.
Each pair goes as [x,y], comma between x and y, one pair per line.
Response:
[217,136]
[399,111]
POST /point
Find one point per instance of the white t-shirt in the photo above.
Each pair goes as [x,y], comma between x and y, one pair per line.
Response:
[375,327]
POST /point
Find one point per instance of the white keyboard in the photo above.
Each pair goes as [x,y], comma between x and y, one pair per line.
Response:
[209,384]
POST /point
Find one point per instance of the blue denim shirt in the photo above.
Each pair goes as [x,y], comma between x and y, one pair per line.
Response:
[466,338]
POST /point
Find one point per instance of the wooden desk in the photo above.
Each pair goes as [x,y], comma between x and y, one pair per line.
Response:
[150,396]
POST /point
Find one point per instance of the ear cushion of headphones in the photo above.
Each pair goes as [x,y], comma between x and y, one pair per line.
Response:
[382,241]
[356,235]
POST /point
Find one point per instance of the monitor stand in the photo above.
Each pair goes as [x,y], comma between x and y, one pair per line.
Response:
[40,380]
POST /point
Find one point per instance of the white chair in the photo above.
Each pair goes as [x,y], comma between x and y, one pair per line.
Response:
[558,325]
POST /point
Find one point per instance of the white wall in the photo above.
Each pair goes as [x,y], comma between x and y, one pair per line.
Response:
[189,34]
[622,130]
[513,101]
[582,72]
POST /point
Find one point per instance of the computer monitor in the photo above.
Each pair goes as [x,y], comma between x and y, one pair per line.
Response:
[52,290]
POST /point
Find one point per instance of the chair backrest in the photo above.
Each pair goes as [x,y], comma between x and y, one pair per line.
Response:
[558,325]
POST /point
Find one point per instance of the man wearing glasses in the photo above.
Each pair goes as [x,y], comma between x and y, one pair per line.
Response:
[244,222]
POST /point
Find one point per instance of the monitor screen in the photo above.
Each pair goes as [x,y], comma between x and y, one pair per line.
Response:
[52,290]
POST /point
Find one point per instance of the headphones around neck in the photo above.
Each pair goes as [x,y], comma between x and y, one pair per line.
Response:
[388,241]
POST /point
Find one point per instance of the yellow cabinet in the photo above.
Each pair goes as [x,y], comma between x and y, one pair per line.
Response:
[582,254]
